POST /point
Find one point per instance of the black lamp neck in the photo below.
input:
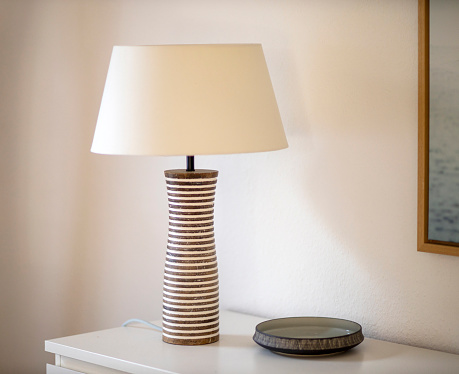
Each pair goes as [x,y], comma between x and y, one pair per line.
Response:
[189,163]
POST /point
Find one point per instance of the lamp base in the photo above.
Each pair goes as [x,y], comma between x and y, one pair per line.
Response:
[190,295]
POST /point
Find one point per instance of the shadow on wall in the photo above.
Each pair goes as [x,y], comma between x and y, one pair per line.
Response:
[48,109]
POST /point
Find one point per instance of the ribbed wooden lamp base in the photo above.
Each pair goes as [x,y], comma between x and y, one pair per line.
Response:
[190,296]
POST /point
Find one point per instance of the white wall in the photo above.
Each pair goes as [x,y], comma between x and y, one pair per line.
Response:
[326,227]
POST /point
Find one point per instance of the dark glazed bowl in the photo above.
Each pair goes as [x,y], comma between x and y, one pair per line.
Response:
[308,336]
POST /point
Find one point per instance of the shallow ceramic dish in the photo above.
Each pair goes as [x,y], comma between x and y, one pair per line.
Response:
[308,336]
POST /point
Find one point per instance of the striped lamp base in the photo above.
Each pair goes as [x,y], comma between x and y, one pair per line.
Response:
[190,295]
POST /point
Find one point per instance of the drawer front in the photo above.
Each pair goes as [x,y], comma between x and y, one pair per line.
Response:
[51,369]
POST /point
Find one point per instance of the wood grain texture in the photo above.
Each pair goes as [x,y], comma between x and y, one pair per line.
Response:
[190,294]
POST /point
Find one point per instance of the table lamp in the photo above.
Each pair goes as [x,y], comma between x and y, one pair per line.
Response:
[188,100]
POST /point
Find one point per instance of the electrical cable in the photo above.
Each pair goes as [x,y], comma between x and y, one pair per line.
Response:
[153,326]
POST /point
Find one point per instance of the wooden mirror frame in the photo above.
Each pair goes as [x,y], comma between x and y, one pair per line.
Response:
[424,244]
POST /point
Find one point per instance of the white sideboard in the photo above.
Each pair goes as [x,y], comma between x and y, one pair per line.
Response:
[139,349]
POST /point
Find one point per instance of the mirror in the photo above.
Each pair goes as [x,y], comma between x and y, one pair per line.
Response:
[438,143]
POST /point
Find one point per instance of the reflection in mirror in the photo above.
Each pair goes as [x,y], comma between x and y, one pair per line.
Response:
[438,147]
[443,224]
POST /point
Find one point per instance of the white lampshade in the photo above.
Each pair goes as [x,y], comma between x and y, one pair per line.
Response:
[188,100]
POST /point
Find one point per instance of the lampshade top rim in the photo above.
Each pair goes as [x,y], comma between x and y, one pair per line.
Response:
[188,45]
